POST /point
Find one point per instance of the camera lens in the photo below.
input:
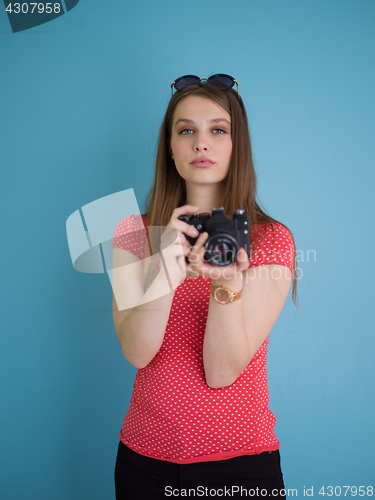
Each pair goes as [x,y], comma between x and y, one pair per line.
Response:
[221,249]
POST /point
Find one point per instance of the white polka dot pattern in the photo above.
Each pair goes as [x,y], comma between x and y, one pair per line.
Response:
[280,251]
[174,415]
[130,234]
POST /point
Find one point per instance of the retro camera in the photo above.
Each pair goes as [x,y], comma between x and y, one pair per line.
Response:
[226,235]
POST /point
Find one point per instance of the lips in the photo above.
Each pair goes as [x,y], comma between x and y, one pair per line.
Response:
[202,162]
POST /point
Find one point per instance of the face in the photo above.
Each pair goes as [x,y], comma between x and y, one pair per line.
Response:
[201,140]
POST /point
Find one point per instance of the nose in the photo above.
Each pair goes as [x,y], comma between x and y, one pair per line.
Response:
[201,142]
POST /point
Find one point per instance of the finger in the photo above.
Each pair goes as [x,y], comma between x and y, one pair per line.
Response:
[175,233]
[185,250]
[178,247]
[196,256]
[184,210]
[197,248]
[242,255]
[201,240]
[243,259]
[188,229]
[184,228]
[176,251]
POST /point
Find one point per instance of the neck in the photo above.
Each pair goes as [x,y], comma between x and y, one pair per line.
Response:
[206,197]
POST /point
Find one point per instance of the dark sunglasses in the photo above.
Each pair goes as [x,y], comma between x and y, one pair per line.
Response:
[224,82]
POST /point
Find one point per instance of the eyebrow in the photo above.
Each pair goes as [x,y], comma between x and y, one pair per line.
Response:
[215,120]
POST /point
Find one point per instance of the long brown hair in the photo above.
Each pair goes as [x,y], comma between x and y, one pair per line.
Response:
[239,189]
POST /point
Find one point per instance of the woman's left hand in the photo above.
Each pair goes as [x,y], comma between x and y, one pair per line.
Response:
[221,274]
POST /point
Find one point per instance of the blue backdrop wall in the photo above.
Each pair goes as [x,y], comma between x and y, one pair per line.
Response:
[81,101]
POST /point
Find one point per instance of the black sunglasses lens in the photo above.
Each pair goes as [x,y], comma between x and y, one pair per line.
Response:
[184,82]
[224,82]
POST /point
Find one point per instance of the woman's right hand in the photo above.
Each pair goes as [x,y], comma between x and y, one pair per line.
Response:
[174,245]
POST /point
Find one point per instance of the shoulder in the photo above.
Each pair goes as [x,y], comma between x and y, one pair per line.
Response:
[271,243]
[129,224]
[129,231]
[272,231]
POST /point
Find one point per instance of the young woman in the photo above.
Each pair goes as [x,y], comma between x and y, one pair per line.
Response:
[198,422]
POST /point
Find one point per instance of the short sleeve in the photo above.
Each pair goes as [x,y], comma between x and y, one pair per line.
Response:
[130,234]
[274,245]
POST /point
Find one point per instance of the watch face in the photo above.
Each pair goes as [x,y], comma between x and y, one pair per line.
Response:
[221,295]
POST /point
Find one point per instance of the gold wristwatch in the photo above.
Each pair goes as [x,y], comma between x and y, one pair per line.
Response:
[223,295]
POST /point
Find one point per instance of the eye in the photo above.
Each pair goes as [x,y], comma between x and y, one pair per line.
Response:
[185,131]
[219,131]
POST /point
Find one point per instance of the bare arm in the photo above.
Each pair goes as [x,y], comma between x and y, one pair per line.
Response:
[235,331]
[141,317]
[140,329]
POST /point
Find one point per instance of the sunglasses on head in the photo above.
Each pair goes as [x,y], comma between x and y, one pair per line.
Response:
[224,82]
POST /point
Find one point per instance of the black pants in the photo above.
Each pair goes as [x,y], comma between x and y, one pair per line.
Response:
[138,477]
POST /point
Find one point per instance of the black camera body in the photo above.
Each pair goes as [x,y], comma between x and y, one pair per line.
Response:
[225,235]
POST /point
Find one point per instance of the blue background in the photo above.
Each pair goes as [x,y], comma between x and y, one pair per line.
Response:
[81,100]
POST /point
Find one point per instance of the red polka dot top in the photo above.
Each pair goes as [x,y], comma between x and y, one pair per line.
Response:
[173,414]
